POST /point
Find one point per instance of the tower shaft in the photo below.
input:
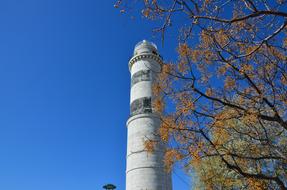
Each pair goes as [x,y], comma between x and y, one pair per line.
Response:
[145,171]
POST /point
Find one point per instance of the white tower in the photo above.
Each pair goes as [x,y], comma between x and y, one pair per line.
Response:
[145,171]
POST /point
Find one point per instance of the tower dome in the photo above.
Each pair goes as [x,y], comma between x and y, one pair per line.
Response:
[145,47]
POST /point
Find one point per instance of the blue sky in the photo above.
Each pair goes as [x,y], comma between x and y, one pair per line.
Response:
[64,93]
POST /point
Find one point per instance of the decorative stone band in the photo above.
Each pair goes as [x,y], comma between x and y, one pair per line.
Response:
[141,105]
[144,115]
[145,56]
[146,167]
[143,75]
[144,150]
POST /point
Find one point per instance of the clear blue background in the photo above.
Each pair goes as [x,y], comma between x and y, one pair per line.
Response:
[64,93]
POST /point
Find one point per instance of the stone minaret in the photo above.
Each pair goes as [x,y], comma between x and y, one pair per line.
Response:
[145,171]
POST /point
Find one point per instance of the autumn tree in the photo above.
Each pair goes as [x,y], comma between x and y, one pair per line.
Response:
[227,92]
